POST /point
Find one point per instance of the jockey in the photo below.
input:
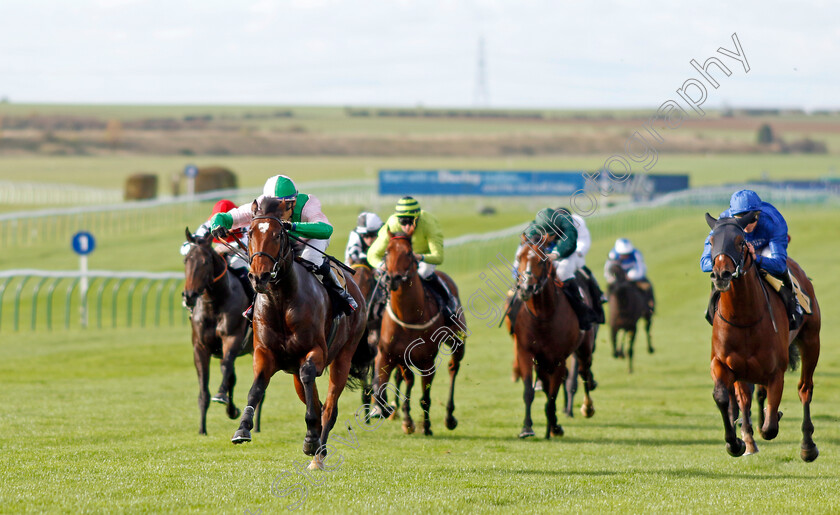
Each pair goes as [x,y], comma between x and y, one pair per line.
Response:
[556,231]
[235,263]
[361,238]
[427,242]
[632,262]
[767,240]
[307,223]
[578,260]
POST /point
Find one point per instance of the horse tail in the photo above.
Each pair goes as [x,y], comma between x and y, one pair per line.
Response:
[793,356]
[361,362]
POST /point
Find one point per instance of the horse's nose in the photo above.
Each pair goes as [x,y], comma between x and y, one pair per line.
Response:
[725,275]
[189,298]
[259,281]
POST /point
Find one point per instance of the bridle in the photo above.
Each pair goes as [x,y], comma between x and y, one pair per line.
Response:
[206,284]
[394,280]
[275,260]
[536,288]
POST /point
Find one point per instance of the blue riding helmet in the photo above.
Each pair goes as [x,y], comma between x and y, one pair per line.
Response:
[744,201]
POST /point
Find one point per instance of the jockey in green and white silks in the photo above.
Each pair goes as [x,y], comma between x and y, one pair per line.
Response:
[427,243]
[556,231]
[309,223]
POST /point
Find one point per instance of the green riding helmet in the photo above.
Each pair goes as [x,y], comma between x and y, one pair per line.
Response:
[280,186]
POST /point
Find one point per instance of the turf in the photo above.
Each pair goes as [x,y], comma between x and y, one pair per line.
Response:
[106,421]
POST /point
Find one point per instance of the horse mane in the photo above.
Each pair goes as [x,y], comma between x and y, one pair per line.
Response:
[268,206]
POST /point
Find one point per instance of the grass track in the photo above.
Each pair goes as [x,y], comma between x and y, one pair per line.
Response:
[105,421]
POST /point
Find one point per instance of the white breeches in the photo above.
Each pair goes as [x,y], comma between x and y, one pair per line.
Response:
[425,270]
[311,255]
[566,268]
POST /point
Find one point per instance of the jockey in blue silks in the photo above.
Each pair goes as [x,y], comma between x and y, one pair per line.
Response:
[767,240]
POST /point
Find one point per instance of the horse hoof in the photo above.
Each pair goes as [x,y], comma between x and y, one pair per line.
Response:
[220,398]
[751,449]
[769,435]
[316,464]
[587,411]
[310,446]
[428,432]
[241,436]
[451,423]
[809,454]
[527,432]
[557,430]
[650,350]
[235,414]
[739,451]
[408,428]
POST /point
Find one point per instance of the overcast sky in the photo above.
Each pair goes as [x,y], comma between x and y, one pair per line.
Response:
[538,53]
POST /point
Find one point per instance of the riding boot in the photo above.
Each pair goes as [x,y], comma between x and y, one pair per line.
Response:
[794,310]
[585,314]
[242,275]
[597,297]
[330,281]
[445,299]
[249,313]
[710,310]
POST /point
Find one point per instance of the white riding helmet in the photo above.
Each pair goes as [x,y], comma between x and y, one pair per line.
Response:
[368,223]
[623,246]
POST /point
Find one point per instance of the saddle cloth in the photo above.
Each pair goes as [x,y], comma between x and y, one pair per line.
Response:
[803,299]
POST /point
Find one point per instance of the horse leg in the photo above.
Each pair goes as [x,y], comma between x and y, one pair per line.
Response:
[202,367]
[526,363]
[307,373]
[614,341]
[632,336]
[587,408]
[408,423]
[454,367]
[809,351]
[426,402]
[259,414]
[381,408]
[552,382]
[648,320]
[225,395]
[724,379]
[761,396]
[339,371]
[775,386]
[744,393]
[264,368]
[570,387]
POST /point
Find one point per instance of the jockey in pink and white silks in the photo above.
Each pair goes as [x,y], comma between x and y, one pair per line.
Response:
[306,221]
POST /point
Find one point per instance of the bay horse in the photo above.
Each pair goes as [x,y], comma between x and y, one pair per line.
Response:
[413,332]
[752,344]
[545,334]
[216,300]
[627,304]
[297,331]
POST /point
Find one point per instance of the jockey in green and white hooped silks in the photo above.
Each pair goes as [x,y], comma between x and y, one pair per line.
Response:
[309,223]
[555,230]
[427,243]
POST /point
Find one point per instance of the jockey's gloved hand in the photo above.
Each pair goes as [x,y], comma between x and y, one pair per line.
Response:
[289,226]
[220,223]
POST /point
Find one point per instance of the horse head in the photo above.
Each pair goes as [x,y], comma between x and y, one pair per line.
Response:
[534,270]
[200,268]
[271,253]
[400,262]
[730,256]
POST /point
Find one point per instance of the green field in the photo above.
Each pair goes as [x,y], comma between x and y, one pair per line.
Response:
[106,421]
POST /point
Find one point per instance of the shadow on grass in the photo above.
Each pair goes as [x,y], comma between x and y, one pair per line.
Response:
[672,474]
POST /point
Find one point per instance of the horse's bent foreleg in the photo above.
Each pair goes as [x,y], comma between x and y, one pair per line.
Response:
[744,392]
[264,368]
[202,367]
[770,428]
[724,379]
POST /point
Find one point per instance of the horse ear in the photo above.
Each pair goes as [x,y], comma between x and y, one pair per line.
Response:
[190,237]
[711,221]
[254,207]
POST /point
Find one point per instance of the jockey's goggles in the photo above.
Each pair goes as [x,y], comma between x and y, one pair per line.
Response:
[406,220]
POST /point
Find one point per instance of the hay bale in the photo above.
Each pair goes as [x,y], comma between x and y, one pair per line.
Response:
[212,178]
[140,186]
